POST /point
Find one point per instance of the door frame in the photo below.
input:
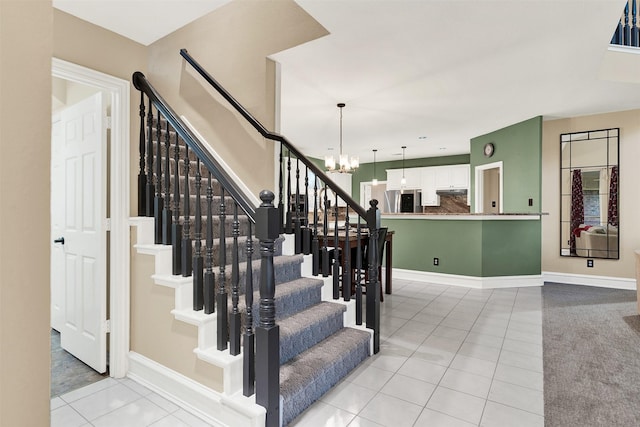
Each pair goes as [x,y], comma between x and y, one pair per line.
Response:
[119,195]
[479,171]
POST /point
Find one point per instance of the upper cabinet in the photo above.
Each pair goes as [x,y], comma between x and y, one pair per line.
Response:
[452,177]
[344,182]
[411,175]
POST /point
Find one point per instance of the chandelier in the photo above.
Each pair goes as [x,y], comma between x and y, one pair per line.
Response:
[346,164]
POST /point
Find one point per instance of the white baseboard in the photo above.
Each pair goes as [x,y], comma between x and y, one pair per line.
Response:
[213,407]
[468,281]
[587,280]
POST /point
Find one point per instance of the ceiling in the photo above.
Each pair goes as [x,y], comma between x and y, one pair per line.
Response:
[426,74]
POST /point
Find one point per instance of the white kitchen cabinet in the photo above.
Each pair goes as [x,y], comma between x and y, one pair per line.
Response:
[343,180]
[412,176]
[428,186]
[452,177]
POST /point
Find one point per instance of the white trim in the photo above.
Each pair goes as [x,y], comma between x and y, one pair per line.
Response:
[469,281]
[480,188]
[119,199]
[588,280]
[457,217]
[624,49]
[213,407]
[243,187]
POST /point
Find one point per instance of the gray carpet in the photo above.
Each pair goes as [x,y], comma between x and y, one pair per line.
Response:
[591,339]
[67,372]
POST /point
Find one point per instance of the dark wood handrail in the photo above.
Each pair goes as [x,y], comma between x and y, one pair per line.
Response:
[351,203]
[142,84]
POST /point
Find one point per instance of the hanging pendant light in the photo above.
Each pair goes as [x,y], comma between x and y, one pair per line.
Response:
[403,181]
[346,164]
[374,181]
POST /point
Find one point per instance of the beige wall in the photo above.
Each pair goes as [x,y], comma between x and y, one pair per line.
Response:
[82,43]
[232,44]
[629,205]
[25,135]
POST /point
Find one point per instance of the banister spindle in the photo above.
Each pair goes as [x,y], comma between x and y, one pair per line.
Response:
[142,177]
[198,261]
[248,340]
[267,332]
[158,201]
[221,300]
[176,227]
[306,229]
[325,232]
[627,29]
[297,228]
[166,212]
[635,37]
[234,321]
[346,269]
[280,190]
[358,274]
[289,224]
[187,249]
[336,253]
[150,191]
[209,277]
[315,244]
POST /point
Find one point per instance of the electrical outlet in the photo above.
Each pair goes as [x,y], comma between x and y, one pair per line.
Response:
[436,261]
[530,202]
[493,203]
[590,263]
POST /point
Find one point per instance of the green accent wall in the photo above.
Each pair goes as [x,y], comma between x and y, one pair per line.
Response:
[365,171]
[480,248]
[519,147]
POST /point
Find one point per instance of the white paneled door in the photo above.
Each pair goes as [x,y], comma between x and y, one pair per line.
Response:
[78,231]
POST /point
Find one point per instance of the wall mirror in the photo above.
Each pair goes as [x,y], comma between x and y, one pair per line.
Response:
[589,206]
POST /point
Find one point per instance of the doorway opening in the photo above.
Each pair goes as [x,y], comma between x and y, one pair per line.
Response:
[489,188]
[116,220]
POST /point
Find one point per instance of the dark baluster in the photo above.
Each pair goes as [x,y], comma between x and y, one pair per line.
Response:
[234,321]
[617,35]
[297,230]
[635,38]
[187,249]
[198,260]
[627,30]
[315,244]
[158,201]
[325,232]
[166,213]
[142,177]
[209,277]
[150,191]
[359,275]
[336,253]
[289,224]
[221,301]
[176,227]
[373,286]
[280,189]
[267,332]
[249,360]
[346,269]
[306,229]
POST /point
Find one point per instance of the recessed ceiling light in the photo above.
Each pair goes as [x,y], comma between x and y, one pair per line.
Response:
[442,148]
[422,137]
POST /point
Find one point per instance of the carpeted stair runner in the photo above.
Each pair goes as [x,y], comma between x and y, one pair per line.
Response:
[316,350]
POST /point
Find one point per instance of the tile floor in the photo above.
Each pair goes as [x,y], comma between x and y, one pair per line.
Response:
[449,356]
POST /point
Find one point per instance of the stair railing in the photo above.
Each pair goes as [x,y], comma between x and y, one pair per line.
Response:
[625,34]
[170,156]
[295,219]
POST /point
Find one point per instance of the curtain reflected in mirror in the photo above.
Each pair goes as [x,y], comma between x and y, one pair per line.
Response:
[589,194]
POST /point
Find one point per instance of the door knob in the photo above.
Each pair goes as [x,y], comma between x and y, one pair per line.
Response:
[59,240]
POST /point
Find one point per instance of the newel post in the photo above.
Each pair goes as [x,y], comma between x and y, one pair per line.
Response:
[373,285]
[267,332]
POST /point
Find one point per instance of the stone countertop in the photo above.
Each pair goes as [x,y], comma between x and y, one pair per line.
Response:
[467,216]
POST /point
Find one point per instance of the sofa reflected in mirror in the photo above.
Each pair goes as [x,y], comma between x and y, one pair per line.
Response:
[589,174]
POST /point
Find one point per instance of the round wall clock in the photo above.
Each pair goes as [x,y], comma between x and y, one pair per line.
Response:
[488,149]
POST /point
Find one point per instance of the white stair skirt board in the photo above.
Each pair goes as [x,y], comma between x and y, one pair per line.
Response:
[588,280]
[495,282]
[213,407]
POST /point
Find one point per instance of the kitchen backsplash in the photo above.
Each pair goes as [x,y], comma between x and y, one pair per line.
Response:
[449,204]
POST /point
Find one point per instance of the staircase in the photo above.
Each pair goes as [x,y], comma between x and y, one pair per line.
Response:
[316,349]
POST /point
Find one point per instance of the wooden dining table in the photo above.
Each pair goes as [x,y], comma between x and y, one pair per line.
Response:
[364,238]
